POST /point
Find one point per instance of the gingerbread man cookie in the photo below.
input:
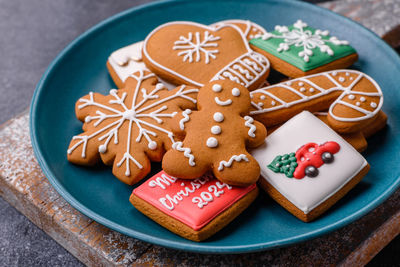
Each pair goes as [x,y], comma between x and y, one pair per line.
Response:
[217,136]
[129,127]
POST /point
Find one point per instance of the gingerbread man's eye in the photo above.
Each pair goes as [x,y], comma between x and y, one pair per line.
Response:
[217,88]
[235,92]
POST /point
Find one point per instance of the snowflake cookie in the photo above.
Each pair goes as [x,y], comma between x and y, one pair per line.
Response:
[194,209]
[129,127]
[307,167]
[216,137]
[194,54]
[299,50]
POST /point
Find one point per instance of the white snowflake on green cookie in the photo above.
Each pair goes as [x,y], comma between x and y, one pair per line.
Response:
[299,36]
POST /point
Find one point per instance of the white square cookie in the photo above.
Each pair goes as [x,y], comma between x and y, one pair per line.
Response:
[307,167]
[127,60]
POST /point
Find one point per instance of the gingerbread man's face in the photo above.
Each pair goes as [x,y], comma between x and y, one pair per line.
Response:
[224,94]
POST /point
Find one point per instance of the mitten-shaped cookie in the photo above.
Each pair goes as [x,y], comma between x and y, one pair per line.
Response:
[216,137]
[129,127]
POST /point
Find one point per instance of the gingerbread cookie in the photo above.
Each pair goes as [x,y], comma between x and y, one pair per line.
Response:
[194,209]
[249,29]
[127,60]
[307,167]
[194,54]
[216,137]
[353,98]
[300,50]
[129,127]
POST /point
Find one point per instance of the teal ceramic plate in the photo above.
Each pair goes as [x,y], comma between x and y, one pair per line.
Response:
[80,68]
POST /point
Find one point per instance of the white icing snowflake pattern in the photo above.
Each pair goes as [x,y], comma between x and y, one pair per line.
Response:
[133,113]
[300,37]
[195,47]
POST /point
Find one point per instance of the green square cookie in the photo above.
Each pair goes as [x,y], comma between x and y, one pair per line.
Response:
[302,46]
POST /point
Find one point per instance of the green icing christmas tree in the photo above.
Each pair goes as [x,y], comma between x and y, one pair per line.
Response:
[286,164]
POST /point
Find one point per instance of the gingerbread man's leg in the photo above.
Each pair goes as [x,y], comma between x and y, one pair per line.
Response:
[180,162]
[240,169]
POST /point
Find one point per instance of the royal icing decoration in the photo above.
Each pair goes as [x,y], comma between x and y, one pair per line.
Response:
[215,129]
[218,117]
[227,164]
[186,118]
[202,44]
[350,92]
[306,160]
[309,192]
[303,46]
[138,110]
[196,46]
[192,202]
[187,152]
[128,60]
[212,142]
[249,123]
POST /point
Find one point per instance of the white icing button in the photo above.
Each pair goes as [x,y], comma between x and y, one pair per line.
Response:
[159,86]
[362,99]
[218,117]
[351,78]
[302,89]
[215,129]
[262,97]
[152,145]
[235,92]
[212,142]
[341,79]
[351,97]
[347,74]
[301,83]
[273,103]
[260,104]
[102,149]
[373,104]
[358,103]
[217,88]
[311,90]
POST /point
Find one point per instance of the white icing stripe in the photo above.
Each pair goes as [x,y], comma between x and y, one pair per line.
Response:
[257,69]
[245,42]
[186,118]
[222,103]
[187,152]
[249,123]
[238,158]
[132,115]
[346,91]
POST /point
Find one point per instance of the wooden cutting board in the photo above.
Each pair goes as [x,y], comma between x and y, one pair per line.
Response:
[24,186]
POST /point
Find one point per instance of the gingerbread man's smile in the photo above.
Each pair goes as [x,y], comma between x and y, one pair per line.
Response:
[222,103]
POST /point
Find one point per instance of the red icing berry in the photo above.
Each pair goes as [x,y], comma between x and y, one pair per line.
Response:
[311,156]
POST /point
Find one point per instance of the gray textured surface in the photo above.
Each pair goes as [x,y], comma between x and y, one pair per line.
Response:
[32,33]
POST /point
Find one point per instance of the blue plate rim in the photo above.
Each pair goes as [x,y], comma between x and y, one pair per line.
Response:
[193,247]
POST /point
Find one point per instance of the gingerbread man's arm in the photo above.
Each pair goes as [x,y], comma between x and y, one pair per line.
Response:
[179,123]
[256,132]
